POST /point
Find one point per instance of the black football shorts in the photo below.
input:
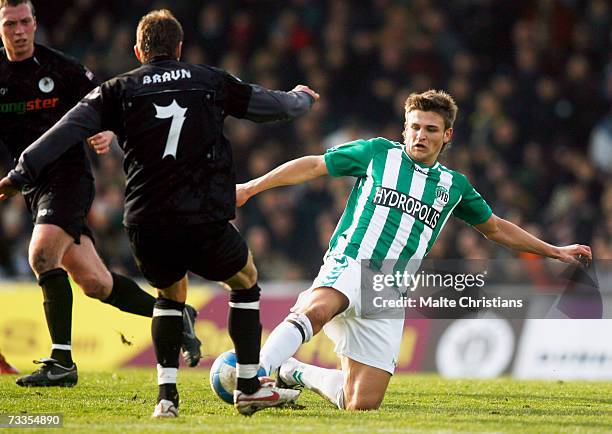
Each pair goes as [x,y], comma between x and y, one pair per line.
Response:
[63,201]
[215,251]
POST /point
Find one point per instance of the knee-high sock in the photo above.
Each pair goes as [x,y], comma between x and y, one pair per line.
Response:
[245,331]
[127,296]
[285,340]
[166,330]
[329,383]
[57,295]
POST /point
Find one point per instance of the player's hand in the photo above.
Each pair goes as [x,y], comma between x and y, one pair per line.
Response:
[101,142]
[242,194]
[7,189]
[576,254]
[309,91]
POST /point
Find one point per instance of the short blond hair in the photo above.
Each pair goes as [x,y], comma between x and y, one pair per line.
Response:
[159,33]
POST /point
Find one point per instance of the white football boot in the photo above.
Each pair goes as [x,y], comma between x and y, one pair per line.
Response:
[165,408]
[290,374]
[267,396]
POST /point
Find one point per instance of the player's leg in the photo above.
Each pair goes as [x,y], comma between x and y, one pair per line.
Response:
[245,330]
[59,209]
[333,291]
[89,272]
[243,325]
[364,386]
[166,330]
[160,254]
[356,387]
[224,257]
[47,246]
[315,308]
[328,383]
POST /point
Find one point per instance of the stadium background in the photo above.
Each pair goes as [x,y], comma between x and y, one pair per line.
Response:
[533,80]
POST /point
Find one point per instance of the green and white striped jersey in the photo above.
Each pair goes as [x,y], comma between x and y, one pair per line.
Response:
[398,206]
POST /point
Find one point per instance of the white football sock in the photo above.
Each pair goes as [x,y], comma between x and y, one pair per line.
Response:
[329,383]
[283,342]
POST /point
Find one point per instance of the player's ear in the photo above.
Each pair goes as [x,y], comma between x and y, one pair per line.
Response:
[179,50]
[448,135]
[137,53]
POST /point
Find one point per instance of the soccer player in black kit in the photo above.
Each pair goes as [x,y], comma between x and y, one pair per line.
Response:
[180,191]
[37,86]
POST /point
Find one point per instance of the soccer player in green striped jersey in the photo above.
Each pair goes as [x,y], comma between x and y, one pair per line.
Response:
[400,202]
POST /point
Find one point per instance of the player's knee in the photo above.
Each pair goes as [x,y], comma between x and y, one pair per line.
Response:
[93,286]
[250,276]
[41,260]
[360,401]
[357,398]
[246,278]
[319,315]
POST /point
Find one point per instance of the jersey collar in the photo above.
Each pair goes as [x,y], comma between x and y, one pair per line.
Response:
[416,163]
[159,59]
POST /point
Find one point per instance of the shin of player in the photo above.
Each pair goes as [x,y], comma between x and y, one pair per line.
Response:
[298,328]
[244,327]
[166,331]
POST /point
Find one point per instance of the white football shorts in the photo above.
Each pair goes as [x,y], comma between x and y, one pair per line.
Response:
[373,342]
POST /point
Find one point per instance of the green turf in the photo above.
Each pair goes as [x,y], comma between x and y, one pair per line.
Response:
[122,402]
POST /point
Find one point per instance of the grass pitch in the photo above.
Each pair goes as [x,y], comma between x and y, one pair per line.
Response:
[123,402]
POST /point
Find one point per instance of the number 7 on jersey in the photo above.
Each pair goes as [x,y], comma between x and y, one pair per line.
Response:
[177,113]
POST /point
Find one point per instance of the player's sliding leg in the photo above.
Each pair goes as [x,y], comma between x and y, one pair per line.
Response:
[89,272]
[166,331]
[313,310]
[356,387]
[364,386]
[47,246]
[328,383]
[245,330]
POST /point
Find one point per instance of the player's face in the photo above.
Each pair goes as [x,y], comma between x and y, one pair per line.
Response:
[425,136]
[17,28]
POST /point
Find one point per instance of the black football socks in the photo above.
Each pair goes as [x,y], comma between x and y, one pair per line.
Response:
[57,303]
[127,296]
[167,333]
[245,331]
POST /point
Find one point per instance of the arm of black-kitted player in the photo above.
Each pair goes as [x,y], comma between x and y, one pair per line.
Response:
[82,121]
[258,104]
[270,105]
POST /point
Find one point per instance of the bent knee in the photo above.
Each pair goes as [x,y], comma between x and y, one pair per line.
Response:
[245,278]
[93,286]
[319,315]
[362,403]
[250,275]
[41,260]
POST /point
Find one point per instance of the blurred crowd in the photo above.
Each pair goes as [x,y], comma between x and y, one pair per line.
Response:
[533,81]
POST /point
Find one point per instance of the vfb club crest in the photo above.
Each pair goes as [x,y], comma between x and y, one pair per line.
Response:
[442,195]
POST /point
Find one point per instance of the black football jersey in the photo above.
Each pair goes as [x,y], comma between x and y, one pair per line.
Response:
[169,117]
[34,95]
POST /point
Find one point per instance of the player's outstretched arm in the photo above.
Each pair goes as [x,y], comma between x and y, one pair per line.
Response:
[512,236]
[292,172]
